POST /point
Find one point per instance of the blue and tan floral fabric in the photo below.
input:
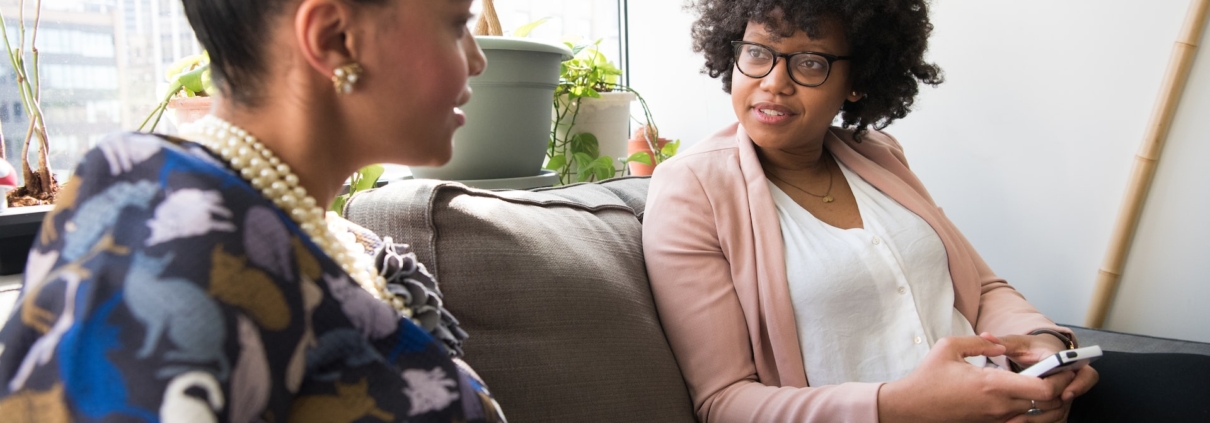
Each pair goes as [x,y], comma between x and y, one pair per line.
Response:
[163,288]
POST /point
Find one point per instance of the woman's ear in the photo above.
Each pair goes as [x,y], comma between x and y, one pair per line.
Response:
[854,96]
[324,32]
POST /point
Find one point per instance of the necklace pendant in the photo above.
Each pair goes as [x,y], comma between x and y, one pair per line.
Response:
[828,199]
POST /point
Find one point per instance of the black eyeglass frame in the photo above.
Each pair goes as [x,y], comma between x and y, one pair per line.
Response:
[831,58]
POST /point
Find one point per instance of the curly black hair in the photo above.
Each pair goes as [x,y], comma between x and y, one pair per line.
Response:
[888,39]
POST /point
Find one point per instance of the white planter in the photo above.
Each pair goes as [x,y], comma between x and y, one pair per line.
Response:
[607,118]
[508,117]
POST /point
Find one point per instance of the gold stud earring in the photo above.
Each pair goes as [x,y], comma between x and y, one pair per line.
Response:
[345,77]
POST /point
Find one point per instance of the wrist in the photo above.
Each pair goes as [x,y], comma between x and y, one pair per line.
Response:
[1048,343]
[1068,343]
[891,405]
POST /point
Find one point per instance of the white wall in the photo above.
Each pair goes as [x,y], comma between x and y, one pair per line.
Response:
[1027,145]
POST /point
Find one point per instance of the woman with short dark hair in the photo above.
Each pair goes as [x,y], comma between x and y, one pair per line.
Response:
[801,270]
[199,279]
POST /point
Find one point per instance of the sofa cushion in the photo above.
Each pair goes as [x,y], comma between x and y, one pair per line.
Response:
[552,287]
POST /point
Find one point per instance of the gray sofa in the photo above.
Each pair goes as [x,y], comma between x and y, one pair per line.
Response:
[552,287]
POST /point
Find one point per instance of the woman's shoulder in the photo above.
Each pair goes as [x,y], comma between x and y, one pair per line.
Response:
[704,157]
[880,147]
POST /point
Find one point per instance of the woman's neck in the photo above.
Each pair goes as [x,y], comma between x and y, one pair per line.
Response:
[798,162]
[302,138]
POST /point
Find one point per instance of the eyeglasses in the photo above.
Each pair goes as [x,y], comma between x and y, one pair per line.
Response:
[806,68]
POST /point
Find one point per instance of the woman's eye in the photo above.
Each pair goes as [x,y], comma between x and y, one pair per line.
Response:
[757,53]
[811,64]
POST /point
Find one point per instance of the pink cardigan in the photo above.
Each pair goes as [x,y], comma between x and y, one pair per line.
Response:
[717,266]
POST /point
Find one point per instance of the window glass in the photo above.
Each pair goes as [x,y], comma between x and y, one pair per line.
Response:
[579,21]
[102,62]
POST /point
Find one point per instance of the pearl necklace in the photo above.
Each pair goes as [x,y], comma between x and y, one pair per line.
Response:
[274,179]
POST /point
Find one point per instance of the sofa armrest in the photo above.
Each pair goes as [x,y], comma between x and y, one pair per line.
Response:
[1126,342]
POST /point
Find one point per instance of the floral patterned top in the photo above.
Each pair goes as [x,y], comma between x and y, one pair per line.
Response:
[164,288]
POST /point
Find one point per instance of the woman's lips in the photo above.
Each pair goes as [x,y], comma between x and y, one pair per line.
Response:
[770,113]
[459,117]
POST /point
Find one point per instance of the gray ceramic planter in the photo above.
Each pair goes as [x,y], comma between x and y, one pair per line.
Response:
[508,117]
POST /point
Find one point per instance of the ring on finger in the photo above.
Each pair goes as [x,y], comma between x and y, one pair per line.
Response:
[1033,409]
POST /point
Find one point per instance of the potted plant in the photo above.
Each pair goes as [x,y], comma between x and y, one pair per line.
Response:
[644,155]
[35,196]
[588,138]
[508,118]
[188,96]
[40,185]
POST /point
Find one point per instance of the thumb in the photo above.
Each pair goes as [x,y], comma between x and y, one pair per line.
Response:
[969,346]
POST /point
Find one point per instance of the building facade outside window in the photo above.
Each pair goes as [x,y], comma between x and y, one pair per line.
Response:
[103,61]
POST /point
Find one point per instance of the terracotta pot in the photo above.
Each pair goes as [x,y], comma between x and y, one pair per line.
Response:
[638,143]
[187,109]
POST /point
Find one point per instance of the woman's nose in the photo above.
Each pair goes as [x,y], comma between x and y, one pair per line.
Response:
[778,80]
[475,60]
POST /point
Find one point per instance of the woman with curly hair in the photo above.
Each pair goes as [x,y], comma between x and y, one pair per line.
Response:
[801,270]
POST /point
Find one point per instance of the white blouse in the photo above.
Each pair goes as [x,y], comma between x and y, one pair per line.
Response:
[868,302]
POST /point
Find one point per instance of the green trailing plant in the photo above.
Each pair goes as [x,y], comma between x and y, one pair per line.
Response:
[364,179]
[187,77]
[40,186]
[576,157]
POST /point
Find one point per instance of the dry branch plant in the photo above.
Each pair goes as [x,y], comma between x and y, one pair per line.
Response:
[40,185]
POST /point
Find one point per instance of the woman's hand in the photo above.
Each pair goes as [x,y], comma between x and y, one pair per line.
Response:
[1029,349]
[946,388]
[1025,350]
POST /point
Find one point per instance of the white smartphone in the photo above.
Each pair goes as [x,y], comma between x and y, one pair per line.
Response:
[1064,360]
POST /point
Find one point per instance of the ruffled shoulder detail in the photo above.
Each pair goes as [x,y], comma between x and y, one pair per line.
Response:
[408,279]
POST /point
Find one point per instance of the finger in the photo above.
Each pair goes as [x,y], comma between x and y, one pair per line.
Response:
[990,338]
[1061,380]
[1084,380]
[969,346]
[1024,387]
[1050,416]
[1016,344]
[1052,411]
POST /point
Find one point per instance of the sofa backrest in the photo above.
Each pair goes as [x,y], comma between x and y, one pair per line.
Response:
[552,287]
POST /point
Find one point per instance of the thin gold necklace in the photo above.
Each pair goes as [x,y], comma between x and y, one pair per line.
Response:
[826,197]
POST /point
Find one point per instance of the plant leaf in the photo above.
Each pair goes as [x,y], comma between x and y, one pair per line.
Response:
[557,162]
[207,83]
[369,177]
[184,63]
[524,30]
[640,157]
[670,149]
[603,168]
[584,167]
[338,204]
[192,80]
[587,144]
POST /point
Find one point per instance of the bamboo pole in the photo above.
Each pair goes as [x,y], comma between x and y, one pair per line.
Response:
[489,23]
[1146,161]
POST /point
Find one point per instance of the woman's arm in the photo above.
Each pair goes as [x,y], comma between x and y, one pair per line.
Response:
[691,280]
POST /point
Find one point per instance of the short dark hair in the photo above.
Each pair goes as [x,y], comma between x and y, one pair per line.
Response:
[888,39]
[234,34]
